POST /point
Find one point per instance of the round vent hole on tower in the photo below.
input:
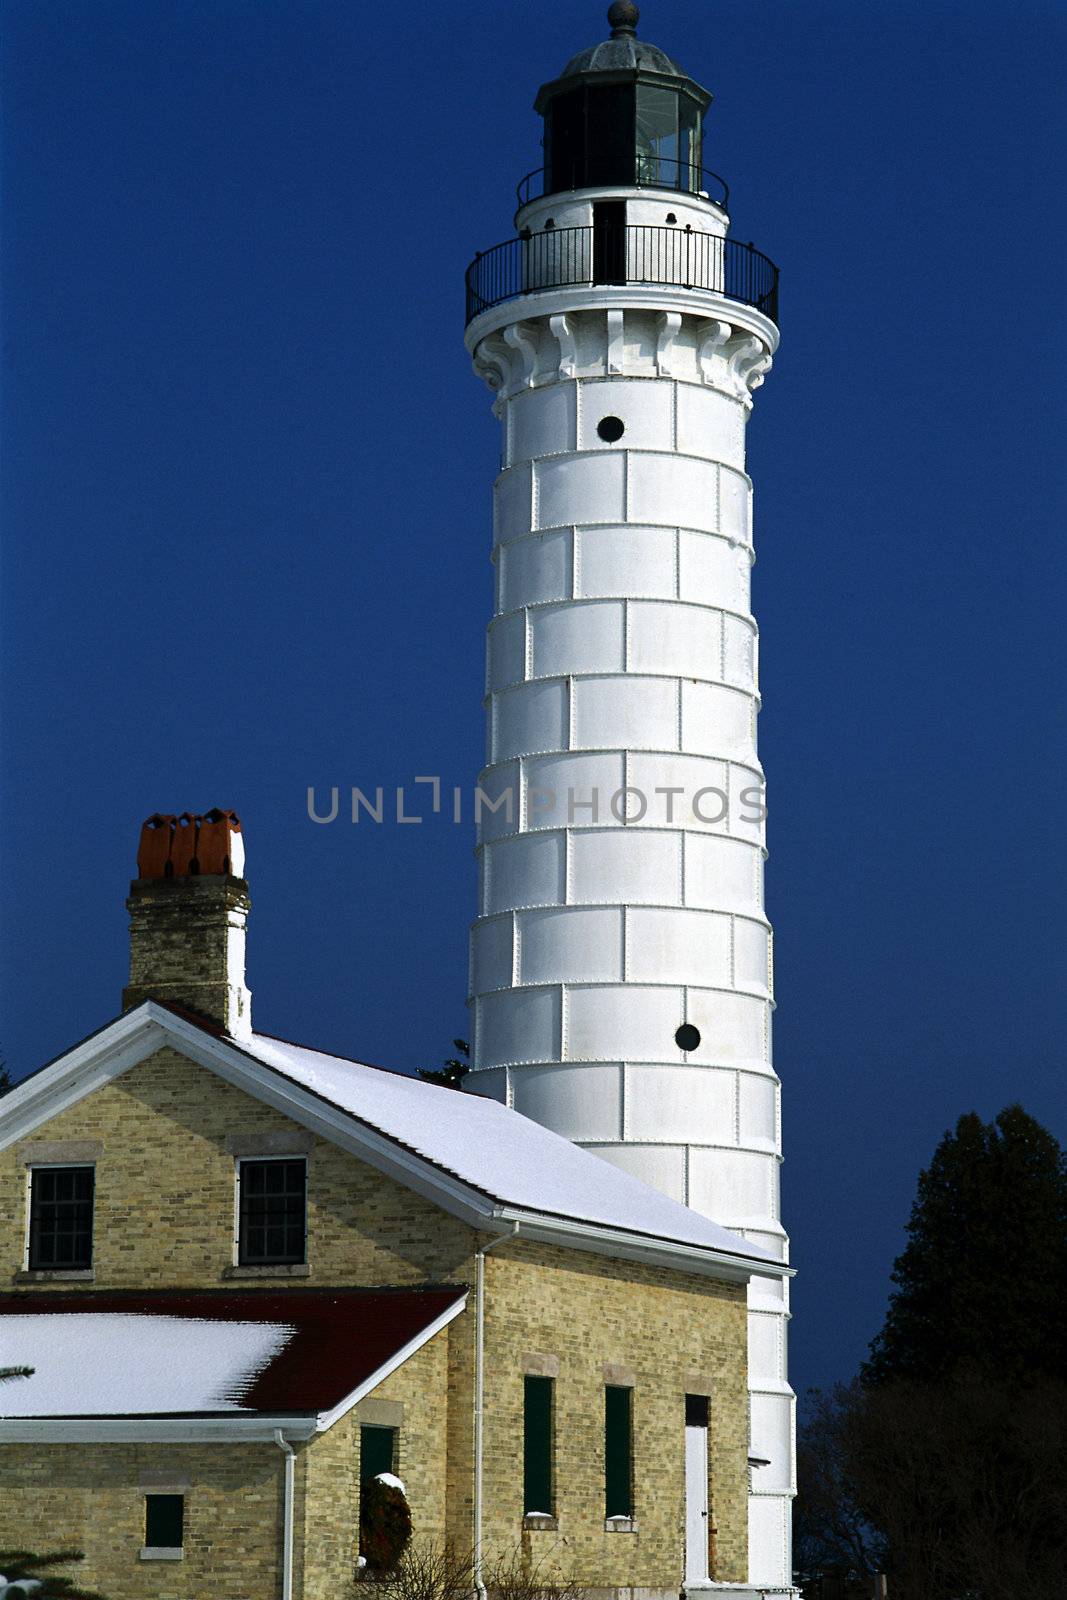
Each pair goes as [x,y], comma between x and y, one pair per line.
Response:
[671,218]
[610,429]
[687,1038]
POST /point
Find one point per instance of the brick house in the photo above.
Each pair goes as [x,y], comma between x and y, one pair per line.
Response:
[249,1275]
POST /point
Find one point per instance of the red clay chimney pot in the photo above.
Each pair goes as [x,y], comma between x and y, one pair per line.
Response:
[190,844]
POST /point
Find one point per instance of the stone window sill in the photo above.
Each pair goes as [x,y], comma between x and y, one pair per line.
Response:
[295,1269]
[546,1524]
[620,1525]
[158,1552]
[56,1275]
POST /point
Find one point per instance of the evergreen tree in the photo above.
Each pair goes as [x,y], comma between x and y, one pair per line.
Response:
[981,1286]
[5,1078]
[947,1460]
[451,1073]
[19,1565]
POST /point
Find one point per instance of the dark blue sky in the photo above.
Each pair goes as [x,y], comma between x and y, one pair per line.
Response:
[246,527]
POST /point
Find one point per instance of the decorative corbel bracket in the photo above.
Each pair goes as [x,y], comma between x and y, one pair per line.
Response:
[616,342]
[749,361]
[668,327]
[516,336]
[714,337]
[732,360]
[564,336]
[492,362]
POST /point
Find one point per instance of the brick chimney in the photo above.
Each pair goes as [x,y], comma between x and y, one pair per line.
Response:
[188,908]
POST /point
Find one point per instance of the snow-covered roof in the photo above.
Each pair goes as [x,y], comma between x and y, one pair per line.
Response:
[100,1363]
[209,1352]
[496,1150]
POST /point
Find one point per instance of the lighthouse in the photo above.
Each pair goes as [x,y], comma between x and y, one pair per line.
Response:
[621,971]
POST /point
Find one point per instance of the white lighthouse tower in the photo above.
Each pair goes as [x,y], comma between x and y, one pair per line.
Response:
[621,960]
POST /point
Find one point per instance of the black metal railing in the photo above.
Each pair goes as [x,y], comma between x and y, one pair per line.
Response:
[559,258]
[650,171]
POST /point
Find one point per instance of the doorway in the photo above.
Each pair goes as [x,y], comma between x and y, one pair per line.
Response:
[609,241]
[696,1489]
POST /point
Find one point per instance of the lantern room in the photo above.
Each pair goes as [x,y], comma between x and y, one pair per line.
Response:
[623,114]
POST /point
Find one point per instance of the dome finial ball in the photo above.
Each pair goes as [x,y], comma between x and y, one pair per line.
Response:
[623,17]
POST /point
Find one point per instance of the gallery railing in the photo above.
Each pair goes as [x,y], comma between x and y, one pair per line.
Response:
[560,258]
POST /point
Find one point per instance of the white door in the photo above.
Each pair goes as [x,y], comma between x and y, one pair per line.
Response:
[696,1504]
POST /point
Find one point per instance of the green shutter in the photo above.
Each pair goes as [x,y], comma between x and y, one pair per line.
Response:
[164,1518]
[377,1451]
[537,1446]
[618,1452]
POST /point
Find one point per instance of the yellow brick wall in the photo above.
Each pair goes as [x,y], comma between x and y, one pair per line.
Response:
[421,1386]
[664,1327]
[90,1498]
[327,1535]
[329,1473]
[165,1191]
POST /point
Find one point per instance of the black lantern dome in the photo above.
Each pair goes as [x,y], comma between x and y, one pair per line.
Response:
[622,113]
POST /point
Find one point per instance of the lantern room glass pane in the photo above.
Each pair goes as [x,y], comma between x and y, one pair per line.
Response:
[690,145]
[668,138]
[610,134]
[657,136]
[565,141]
[589,138]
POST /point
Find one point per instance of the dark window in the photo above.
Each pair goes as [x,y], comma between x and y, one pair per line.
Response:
[537,1446]
[377,1451]
[164,1521]
[273,1204]
[696,1410]
[610,428]
[61,1218]
[618,1452]
[687,1038]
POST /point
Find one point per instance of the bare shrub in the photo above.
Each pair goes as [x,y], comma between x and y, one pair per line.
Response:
[429,1571]
[513,1576]
[426,1572]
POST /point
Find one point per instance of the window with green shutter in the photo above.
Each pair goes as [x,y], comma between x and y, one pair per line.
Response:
[618,1451]
[377,1451]
[537,1497]
[164,1521]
